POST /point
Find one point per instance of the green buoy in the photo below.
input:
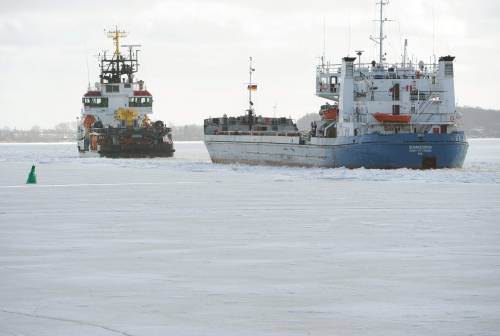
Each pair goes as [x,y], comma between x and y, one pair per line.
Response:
[32,176]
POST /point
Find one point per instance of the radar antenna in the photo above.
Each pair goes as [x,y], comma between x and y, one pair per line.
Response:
[116,35]
[359,53]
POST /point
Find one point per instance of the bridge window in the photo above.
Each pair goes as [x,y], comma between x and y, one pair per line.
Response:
[349,70]
[112,88]
[95,102]
[395,109]
[448,69]
[395,92]
[140,102]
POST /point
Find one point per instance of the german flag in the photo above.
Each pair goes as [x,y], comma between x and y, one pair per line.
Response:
[252,87]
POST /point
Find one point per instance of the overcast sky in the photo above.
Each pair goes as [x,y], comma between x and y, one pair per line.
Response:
[194,54]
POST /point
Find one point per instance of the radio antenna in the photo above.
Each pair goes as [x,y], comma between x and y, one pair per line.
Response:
[433,34]
[324,42]
[251,87]
[349,31]
[405,53]
[381,37]
[88,71]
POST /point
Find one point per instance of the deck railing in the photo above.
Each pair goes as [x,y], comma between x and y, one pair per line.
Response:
[367,70]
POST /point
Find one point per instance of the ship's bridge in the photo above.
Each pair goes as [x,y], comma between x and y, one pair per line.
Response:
[104,100]
[328,76]
[107,95]
[93,99]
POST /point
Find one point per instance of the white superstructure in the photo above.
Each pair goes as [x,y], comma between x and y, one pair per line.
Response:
[381,115]
[367,94]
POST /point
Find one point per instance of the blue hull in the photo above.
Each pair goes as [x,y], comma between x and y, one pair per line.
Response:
[377,151]
[394,151]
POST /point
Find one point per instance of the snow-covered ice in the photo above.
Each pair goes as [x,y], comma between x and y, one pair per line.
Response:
[185,247]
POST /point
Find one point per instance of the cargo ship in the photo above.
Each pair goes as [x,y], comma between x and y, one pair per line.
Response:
[114,119]
[379,115]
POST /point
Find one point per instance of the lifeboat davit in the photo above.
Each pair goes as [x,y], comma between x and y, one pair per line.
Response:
[390,118]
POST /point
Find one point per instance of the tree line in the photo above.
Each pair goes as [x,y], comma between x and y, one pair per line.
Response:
[477,123]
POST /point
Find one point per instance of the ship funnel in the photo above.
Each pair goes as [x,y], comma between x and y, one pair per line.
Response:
[445,75]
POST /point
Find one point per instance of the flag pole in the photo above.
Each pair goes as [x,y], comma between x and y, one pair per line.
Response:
[250,89]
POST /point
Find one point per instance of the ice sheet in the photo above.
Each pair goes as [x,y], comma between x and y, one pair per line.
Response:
[184,247]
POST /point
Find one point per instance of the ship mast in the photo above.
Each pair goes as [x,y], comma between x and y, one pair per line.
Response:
[251,87]
[405,53]
[113,68]
[381,37]
[116,35]
[250,84]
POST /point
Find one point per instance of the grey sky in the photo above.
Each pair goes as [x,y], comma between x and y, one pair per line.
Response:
[194,57]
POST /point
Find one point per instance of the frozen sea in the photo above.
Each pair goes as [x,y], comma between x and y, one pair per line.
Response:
[185,247]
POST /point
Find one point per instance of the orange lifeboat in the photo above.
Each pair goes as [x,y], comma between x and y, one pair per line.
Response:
[331,114]
[390,118]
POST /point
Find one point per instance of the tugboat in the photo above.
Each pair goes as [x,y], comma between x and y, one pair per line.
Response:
[114,120]
[383,116]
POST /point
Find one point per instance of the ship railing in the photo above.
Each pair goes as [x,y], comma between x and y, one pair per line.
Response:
[359,118]
[119,130]
[389,71]
[100,130]
[329,68]
[305,136]
[261,133]
[431,118]
[431,98]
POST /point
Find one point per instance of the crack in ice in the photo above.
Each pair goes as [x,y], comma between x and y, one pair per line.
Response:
[61,319]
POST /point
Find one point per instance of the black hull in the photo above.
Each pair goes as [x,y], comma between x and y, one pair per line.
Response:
[137,150]
[143,142]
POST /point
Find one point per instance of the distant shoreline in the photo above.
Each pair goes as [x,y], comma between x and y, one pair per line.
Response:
[477,123]
[178,141]
[74,142]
